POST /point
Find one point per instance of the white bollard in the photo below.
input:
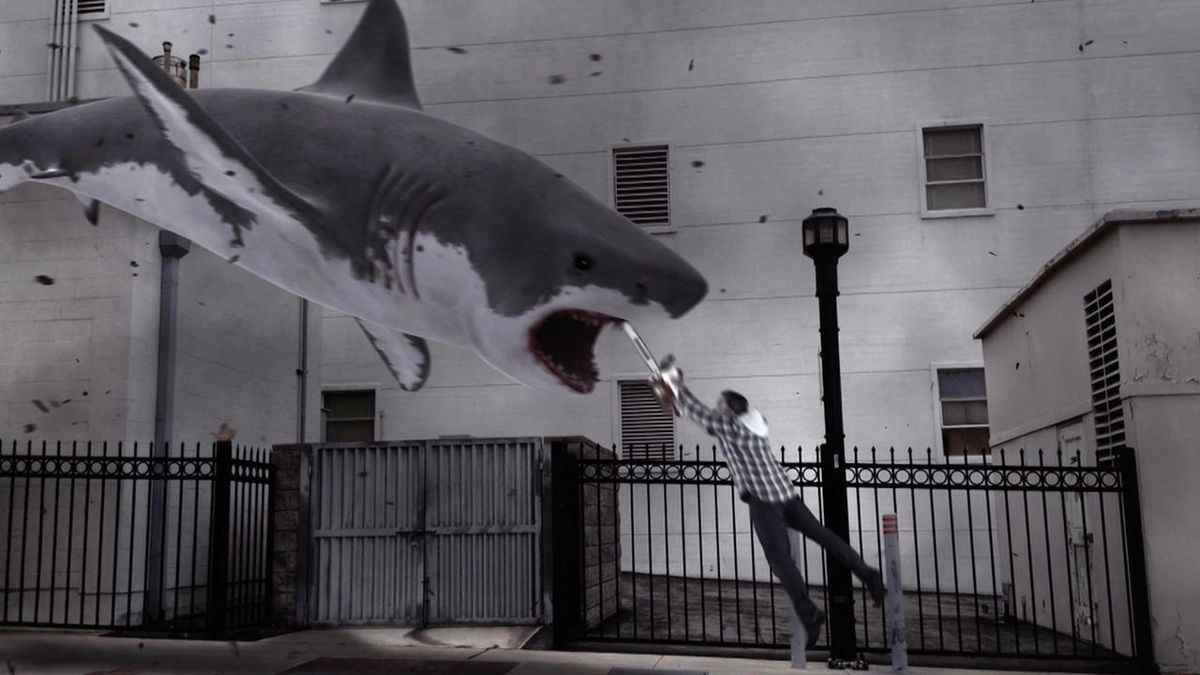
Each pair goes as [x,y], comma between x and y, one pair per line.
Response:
[799,635]
[895,594]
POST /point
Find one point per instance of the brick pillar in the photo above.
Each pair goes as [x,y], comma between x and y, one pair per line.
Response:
[601,546]
[289,578]
[582,540]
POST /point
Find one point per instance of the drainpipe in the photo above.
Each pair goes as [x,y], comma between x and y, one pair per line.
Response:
[193,71]
[302,372]
[172,248]
[55,49]
[73,52]
[61,65]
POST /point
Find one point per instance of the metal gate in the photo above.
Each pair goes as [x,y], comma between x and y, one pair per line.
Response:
[121,536]
[993,571]
[426,532]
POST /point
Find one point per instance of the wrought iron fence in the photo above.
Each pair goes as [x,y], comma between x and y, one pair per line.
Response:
[1013,557]
[119,536]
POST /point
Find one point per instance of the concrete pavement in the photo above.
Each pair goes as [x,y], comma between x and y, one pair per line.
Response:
[471,651]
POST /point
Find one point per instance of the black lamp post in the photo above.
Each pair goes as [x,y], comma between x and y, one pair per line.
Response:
[827,238]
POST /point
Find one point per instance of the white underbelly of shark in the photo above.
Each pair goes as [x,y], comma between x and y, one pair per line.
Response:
[284,253]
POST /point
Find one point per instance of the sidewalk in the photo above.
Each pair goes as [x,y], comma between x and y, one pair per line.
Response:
[395,651]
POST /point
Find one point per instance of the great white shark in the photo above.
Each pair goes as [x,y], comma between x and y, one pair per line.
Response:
[346,193]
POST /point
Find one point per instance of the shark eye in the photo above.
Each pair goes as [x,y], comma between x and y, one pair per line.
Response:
[583,263]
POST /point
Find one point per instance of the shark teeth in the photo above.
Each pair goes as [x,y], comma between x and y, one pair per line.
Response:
[563,343]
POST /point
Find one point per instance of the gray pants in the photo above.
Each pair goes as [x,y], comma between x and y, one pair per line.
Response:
[771,521]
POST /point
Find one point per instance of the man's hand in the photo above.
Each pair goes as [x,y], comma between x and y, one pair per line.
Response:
[664,393]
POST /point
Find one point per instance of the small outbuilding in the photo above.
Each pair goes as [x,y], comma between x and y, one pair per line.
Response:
[1100,351]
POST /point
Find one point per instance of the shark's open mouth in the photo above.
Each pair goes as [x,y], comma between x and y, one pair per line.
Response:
[564,343]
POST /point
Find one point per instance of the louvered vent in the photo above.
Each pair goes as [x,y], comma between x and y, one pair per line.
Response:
[1105,371]
[647,431]
[91,8]
[641,184]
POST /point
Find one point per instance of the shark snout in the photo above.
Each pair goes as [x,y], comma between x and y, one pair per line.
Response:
[677,286]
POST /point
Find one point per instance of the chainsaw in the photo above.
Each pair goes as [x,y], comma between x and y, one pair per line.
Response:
[660,377]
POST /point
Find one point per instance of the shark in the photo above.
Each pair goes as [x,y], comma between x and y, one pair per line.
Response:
[347,193]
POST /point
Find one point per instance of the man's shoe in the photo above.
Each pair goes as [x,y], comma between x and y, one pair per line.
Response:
[873,581]
[812,627]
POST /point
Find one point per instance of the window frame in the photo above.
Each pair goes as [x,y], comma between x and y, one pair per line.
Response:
[669,228]
[939,426]
[985,147]
[377,420]
[618,420]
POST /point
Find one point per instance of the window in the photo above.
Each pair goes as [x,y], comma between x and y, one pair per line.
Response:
[92,9]
[1108,412]
[349,416]
[952,170]
[641,184]
[647,430]
[962,400]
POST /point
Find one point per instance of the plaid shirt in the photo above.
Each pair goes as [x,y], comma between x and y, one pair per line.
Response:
[747,453]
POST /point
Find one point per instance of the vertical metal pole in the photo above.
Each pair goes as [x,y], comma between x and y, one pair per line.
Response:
[172,248]
[799,643]
[72,51]
[218,542]
[302,374]
[52,50]
[1139,586]
[194,71]
[897,637]
[268,602]
[842,646]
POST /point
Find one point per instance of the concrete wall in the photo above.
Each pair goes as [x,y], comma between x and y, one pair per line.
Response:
[238,353]
[1038,381]
[1160,380]
[76,342]
[1155,270]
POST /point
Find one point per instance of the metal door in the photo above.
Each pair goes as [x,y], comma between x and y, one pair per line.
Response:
[426,532]
[484,523]
[1079,540]
[368,554]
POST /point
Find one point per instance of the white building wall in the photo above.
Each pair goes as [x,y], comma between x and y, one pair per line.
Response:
[71,345]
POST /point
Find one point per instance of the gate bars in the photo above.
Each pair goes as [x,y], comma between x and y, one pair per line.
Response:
[75,549]
[1024,556]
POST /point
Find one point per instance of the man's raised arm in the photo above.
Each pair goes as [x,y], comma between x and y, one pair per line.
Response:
[706,417]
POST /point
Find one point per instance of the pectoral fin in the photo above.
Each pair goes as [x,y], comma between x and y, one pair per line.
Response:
[406,356]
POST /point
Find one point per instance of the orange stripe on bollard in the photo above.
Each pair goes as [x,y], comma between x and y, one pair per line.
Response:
[889,524]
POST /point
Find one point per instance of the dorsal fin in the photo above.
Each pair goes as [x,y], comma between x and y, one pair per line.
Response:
[374,63]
